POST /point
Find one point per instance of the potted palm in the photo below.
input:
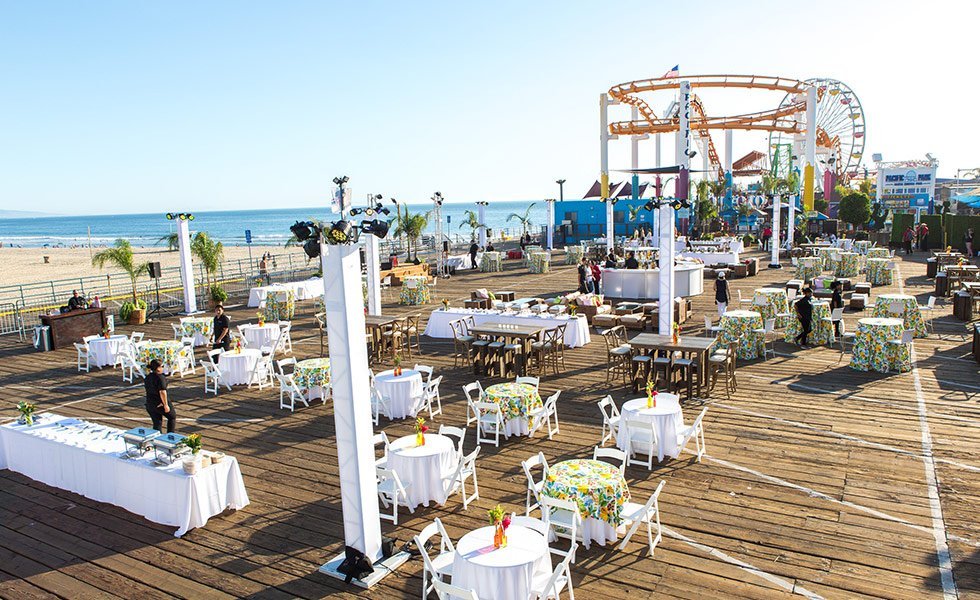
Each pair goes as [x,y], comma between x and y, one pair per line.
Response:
[120,255]
[210,252]
[411,226]
[524,219]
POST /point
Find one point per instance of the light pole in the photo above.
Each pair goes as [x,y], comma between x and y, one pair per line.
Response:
[440,261]
[561,190]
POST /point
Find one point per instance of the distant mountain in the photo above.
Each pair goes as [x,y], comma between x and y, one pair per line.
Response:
[22,214]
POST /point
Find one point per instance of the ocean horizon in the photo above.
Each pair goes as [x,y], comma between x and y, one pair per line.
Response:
[268,226]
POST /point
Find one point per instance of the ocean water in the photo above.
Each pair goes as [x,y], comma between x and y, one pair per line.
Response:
[268,226]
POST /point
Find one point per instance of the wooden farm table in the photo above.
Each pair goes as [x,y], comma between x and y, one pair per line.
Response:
[376,324]
[523,334]
[686,345]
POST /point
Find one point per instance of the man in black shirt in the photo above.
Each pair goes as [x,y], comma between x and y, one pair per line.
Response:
[836,301]
[473,250]
[221,328]
[157,403]
[631,262]
[490,247]
[77,302]
[583,271]
[804,312]
[611,261]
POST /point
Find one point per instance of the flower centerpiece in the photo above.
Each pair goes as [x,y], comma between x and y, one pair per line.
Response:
[238,345]
[651,395]
[261,316]
[26,412]
[677,332]
[420,429]
[445,304]
[572,309]
[106,333]
[500,521]
[398,366]
[193,462]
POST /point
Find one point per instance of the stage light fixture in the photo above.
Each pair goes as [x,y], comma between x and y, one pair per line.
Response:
[312,247]
[303,230]
[342,232]
[650,205]
[375,227]
[341,180]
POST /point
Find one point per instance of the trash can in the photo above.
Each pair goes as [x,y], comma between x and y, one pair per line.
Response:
[42,338]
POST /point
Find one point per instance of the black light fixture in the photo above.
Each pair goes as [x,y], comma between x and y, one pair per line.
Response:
[437,198]
[561,190]
[375,227]
[651,205]
[342,232]
[304,230]
[692,153]
[341,180]
[312,247]
[180,216]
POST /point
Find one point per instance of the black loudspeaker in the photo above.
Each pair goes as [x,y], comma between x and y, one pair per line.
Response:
[154,270]
[445,246]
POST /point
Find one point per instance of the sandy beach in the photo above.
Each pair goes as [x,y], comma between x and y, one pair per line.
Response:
[26,265]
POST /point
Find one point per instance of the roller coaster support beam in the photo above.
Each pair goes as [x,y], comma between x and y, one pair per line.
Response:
[682,149]
[811,148]
[728,169]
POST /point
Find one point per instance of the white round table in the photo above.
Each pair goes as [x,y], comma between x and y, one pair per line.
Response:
[236,369]
[257,337]
[502,573]
[104,350]
[404,391]
[422,468]
[666,417]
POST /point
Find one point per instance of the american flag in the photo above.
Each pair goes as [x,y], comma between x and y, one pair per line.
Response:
[673,73]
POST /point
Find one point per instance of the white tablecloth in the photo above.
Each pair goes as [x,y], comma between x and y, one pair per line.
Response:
[423,466]
[576,332]
[404,392]
[104,350]
[237,368]
[712,257]
[303,290]
[644,284]
[257,337]
[504,573]
[667,420]
[85,458]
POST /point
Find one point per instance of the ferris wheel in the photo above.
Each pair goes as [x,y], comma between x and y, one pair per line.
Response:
[840,128]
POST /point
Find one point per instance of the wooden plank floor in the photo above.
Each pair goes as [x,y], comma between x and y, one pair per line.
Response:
[815,481]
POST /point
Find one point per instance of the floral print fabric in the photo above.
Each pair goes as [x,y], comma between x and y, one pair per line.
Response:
[516,400]
[196,325]
[910,313]
[878,272]
[822,332]
[491,262]
[280,305]
[847,264]
[312,373]
[597,487]
[737,326]
[809,267]
[776,302]
[539,262]
[574,254]
[166,352]
[872,352]
[415,290]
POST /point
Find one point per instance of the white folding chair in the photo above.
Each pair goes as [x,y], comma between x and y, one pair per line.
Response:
[635,515]
[454,432]
[544,415]
[430,395]
[905,340]
[768,336]
[448,591]
[696,431]
[535,381]
[465,469]
[490,419]
[930,307]
[286,362]
[474,392]
[130,367]
[610,419]
[643,438]
[83,353]
[563,518]
[896,309]
[381,439]
[285,344]
[709,329]
[289,392]
[742,300]
[379,405]
[177,331]
[212,377]
[262,374]
[531,523]
[534,487]
[136,336]
[560,578]
[426,371]
[392,492]
[614,455]
[434,569]
[214,353]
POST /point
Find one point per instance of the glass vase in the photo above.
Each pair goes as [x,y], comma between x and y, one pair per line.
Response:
[419,439]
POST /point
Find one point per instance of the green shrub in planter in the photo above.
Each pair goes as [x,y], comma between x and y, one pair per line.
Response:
[218,294]
[126,310]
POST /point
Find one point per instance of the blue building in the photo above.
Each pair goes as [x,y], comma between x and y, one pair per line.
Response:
[579,220]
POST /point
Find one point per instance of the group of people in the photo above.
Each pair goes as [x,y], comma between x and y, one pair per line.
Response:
[589,276]
[474,249]
[79,302]
[158,403]
[913,234]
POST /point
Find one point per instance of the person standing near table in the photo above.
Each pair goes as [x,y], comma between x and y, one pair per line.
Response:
[221,329]
[968,240]
[583,269]
[722,293]
[158,404]
[611,261]
[77,302]
[473,250]
[804,312]
[836,301]
[908,238]
[596,275]
[923,237]
[766,237]
[631,262]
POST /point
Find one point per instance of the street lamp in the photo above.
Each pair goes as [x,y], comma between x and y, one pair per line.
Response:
[561,190]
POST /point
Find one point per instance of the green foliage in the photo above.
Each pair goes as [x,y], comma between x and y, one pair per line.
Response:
[126,310]
[218,294]
[411,226]
[120,255]
[525,219]
[821,205]
[854,208]
[209,251]
[171,240]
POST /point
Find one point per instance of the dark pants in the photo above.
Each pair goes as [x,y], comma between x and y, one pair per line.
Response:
[924,243]
[807,326]
[473,260]
[224,344]
[157,415]
[908,247]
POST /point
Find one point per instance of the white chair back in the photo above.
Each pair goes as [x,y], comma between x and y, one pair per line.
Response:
[286,362]
[426,371]
[454,432]
[534,381]
[534,486]
[614,455]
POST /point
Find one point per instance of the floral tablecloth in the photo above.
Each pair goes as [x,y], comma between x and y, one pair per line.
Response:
[198,328]
[574,254]
[878,272]
[491,262]
[809,267]
[775,302]
[527,252]
[847,264]
[539,262]
[878,253]
[280,305]
[862,246]
[415,290]
[516,400]
[911,315]
[872,352]
[737,326]
[597,487]
[167,352]
[822,332]
[312,373]
[825,255]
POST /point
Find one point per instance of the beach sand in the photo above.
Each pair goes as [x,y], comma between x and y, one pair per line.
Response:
[26,265]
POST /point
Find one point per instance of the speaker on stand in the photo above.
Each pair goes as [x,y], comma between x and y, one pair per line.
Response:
[155,274]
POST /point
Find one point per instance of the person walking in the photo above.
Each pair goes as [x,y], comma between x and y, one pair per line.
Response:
[923,237]
[908,238]
[722,293]
[968,240]
[473,250]
[766,237]
[158,404]
[583,270]
[596,275]
[836,301]
[804,312]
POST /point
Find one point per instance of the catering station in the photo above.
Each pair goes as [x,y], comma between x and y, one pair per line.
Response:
[645,283]
[72,326]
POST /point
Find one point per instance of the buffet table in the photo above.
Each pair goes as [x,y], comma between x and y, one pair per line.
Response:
[712,258]
[87,459]
[645,283]
[72,326]
[302,290]
[576,332]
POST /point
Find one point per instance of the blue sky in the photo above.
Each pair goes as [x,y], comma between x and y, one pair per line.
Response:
[143,106]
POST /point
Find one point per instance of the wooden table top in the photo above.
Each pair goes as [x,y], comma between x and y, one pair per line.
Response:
[685,343]
[377,320]
[495,328]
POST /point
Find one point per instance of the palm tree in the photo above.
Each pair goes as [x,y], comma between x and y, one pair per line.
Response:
[172,241]
[209,251]
[121,255]
[411,226]
[525,219]
[472,221]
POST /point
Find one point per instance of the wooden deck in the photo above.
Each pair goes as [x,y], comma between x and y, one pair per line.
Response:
[819,480]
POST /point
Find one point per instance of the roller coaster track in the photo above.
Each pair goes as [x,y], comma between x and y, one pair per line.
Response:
[705,134]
